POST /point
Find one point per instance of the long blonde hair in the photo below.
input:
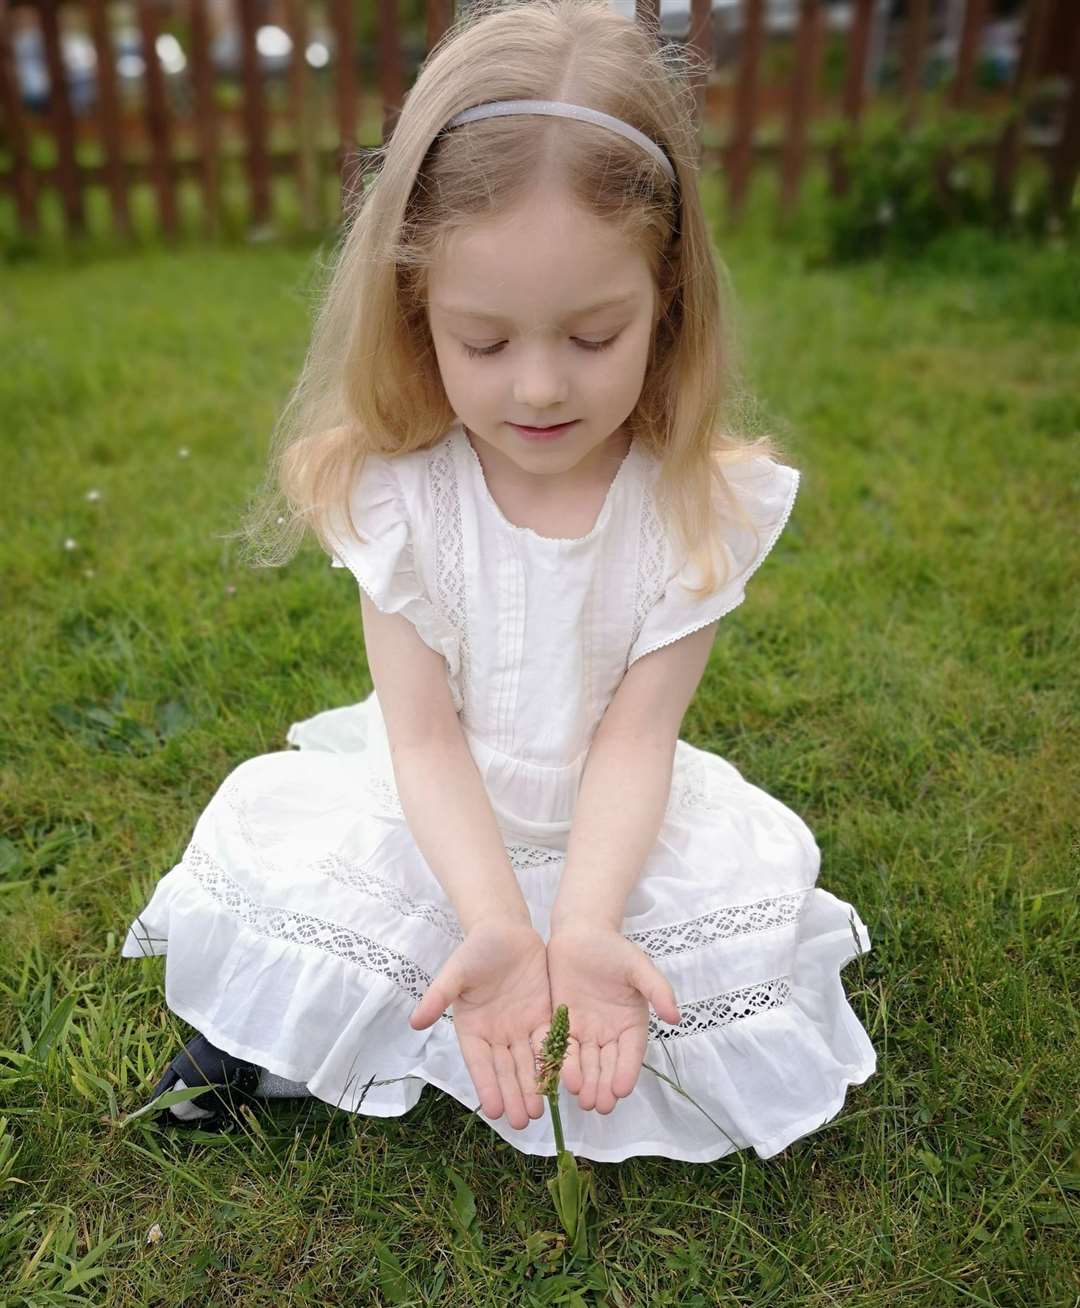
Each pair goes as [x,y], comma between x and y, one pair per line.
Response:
[370,382]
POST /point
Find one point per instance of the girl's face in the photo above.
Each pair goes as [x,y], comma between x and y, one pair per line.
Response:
[540,317]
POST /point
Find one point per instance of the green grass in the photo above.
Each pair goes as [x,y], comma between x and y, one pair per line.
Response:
[902,675]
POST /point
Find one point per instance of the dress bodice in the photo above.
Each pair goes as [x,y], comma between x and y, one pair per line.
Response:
[538,632]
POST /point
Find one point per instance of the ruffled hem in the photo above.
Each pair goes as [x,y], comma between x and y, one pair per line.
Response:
[324,1021]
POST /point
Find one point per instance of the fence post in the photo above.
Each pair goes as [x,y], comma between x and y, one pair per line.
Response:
[854,90]
[156,113]
[110,118]
[63,120]
[918,22]
[808,45]
[740,151]
[1066,161]
[1007,154]
[206,116]
[23,176]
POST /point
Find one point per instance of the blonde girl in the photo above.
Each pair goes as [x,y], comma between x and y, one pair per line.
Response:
[515,429]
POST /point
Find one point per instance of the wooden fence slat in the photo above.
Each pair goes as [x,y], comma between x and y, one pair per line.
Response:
[158,122]
[63,119]
[391,82]
[699,39]
[1007,156]
[23,176]
[808,48]
[854,92]
[740,151]
[967,55]
[109,117]
[300,109]
[205,117]
[258,167]
[1066,161]
[439,15]
[347,161]
[915,32]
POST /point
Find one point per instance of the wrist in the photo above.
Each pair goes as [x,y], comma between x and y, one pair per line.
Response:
[568,923]
[500,917]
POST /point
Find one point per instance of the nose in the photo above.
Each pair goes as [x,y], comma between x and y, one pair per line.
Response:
[540,381]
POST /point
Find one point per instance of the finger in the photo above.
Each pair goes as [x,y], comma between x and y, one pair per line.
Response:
[440,995]
[628,1065]
[657,990]
[605,1099]
[590,1074]
[506,1071]
[481,1065]
[570,1075]
[526,1074]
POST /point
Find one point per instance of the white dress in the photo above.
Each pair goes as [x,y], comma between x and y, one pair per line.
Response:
[303,925]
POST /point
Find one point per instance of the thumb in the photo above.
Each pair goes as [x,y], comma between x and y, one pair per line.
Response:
[439,996]
[657,990]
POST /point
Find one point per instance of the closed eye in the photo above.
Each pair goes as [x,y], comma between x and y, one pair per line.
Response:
[487,351]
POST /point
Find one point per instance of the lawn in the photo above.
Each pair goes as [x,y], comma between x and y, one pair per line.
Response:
[902,675]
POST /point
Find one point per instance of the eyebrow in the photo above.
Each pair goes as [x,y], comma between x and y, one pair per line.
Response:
[463,311]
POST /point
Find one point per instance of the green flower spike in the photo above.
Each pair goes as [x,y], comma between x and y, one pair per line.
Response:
[570,1189]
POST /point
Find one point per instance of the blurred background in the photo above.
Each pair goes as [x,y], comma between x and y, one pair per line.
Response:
[135,119]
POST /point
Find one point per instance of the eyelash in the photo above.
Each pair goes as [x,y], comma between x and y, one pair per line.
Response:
[593,347]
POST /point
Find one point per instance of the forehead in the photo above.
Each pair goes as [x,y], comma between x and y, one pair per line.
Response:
[545,261]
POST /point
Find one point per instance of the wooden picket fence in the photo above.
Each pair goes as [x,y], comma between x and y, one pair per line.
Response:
[140,145]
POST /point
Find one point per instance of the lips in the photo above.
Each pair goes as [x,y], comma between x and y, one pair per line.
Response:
[543,433]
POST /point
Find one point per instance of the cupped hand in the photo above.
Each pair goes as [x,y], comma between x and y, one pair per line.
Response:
[497,982]
[607,983]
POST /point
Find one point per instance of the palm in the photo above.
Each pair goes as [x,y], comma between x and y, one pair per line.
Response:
[598,974]
[496,985]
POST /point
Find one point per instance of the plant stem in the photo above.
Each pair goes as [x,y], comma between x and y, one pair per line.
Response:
[556,1121]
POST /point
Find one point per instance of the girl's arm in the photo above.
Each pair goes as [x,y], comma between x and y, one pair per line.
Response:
[627,782]
[442,795]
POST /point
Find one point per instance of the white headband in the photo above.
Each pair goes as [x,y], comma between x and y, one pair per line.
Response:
[559,108]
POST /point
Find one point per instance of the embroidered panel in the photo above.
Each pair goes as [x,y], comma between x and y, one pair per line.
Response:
[450,549]
[652,555]
[722,1009]
[721,924]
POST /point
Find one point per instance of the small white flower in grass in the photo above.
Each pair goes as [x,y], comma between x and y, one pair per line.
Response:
[154,1235]
[183,452]
[280,520]
[71,543]
[885,212]
[88,573]
[93,496]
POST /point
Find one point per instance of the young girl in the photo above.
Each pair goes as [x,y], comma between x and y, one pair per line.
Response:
[510,430]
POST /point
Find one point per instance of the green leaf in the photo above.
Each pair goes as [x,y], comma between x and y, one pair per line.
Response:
[53,1028]
[463,1212]
[392,1279]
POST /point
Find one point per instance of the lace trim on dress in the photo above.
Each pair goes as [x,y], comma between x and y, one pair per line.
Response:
[652,553]
[719,1010]
[720,924]
[355,874]
[344,942]
[450,550]
[306,929]
[774,536]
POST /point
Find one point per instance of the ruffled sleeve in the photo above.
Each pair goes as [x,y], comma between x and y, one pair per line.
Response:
[766,490]
[383,562]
